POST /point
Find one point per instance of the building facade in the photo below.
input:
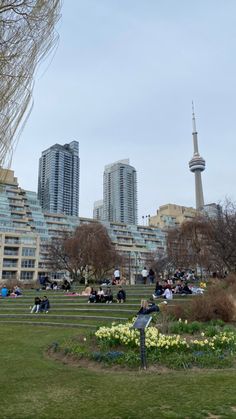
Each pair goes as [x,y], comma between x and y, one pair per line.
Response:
[26,230]
[58,179]
[120,193]
[98,210]
[172,215]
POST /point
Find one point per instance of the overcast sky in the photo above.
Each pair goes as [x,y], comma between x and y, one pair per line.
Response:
[121,82]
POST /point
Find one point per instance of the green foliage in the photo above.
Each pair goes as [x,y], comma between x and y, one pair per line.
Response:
[181,327]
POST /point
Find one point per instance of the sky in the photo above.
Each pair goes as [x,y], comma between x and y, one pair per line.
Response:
[121,82]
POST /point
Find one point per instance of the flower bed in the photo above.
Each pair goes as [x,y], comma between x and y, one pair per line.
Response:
[213,346]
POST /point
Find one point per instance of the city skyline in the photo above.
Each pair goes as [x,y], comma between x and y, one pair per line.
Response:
[121,83]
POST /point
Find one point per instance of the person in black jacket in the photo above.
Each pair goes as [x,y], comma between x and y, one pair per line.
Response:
[121,295]
[36,306]
[148,307]
[45,304]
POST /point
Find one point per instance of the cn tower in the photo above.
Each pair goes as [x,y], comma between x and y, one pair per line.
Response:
[197,165]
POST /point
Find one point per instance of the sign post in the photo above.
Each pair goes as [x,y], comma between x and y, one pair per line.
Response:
[141,323]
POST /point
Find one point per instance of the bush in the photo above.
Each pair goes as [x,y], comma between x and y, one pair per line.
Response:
[216,303]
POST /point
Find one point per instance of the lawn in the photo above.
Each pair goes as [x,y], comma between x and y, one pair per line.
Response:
[35,386]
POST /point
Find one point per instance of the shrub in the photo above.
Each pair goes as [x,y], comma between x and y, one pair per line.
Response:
[180,311]
[216,303]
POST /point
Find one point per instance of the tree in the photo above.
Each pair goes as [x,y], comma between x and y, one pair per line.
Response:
[88,250]
[187,244]
[221,235]
[64,255]
[208,242]
[27,33]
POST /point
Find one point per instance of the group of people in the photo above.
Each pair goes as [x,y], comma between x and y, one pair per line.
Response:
[40,305]
[167,288]
[106,296]
[46,284]
[10,292]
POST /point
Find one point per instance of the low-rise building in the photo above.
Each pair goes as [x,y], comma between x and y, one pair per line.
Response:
[172,215]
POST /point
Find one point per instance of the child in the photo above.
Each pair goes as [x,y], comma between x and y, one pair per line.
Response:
[37,302]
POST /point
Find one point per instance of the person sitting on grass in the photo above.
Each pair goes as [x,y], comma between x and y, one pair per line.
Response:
[66,285]
[121,295]
[4,291]
[36,306]
[148,307]
[186,289]
[108,295]
[92,296]
[158,290]
[87,291]
[45,305]
[167,294]
[100,296]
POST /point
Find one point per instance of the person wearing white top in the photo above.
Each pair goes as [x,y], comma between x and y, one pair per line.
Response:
[117,276]
[168,294]
[144,275]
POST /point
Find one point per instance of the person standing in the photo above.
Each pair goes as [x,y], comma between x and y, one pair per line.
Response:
[151,276]
[144,275]
[117,276]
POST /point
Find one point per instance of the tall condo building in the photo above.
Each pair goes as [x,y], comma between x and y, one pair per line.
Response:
[98,210]
[120,192]
[197,165]
[58,180]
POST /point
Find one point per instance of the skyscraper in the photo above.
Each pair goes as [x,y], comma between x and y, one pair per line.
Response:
[98,210]
[197,165]
[120,192]
[58,180]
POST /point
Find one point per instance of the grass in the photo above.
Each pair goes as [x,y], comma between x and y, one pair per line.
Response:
[35,386]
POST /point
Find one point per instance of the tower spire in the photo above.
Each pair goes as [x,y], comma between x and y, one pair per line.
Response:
[197,165]
[195,140]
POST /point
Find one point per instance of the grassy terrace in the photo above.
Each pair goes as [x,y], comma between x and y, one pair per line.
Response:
[74,310]
[35,386]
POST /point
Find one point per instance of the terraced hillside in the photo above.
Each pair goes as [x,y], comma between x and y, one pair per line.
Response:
[74,311]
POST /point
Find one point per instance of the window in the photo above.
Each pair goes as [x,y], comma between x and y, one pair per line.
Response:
[27,263]
[8,275]
[28,251]
[26,275]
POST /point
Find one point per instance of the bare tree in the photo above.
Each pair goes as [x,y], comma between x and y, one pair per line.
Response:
[64,255]
[27,33]
[88,250]
[221,238]
[208,242]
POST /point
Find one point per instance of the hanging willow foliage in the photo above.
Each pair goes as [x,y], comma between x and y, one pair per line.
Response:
[27,34]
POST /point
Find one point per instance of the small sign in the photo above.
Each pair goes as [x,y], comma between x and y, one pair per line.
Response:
[142,321]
